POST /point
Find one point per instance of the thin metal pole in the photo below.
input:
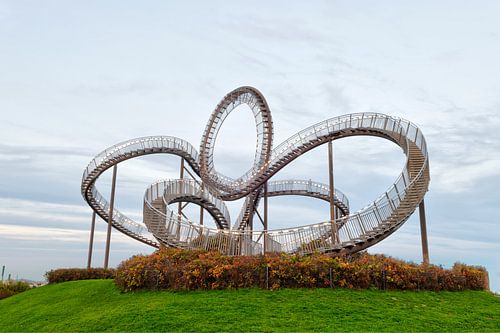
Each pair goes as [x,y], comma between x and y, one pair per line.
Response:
[423,232]
[110,218]
[265,218]
[91,241]
[181,176]
[201,207]
[251,213]
[179,209]
[332,192]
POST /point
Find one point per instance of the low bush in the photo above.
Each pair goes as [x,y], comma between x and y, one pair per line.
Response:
[73,274]
[9,288]
[174,269]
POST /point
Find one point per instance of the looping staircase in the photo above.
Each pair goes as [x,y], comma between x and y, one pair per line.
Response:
[351,232]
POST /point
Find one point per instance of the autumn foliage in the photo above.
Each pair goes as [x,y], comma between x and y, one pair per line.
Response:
[174,269]
[9,288]
[74,274]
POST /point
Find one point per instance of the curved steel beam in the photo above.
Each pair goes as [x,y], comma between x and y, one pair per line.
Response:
[359,230]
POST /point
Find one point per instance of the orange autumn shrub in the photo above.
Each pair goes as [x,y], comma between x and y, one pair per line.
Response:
[74,274]
[10,288]
[175,269]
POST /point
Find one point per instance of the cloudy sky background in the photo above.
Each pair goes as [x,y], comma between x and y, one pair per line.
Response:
[77,77]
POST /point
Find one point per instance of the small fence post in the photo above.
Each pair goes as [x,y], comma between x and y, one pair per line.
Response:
[331,278]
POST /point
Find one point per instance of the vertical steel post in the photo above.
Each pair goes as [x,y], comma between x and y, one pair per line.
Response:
[91,241]
[251,213]
[423,232]
[248,236]
[250,219]
[332,193]
[265,218]
[201,207]
[181,176]
[110,218]
[179,209]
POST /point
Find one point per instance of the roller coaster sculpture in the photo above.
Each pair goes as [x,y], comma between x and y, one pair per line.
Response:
[344,232]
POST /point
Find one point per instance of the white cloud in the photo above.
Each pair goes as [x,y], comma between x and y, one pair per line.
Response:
[41,234]
[462,178]
[40,211]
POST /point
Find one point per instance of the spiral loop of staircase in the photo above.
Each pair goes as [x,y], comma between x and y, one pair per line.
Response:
[350,232]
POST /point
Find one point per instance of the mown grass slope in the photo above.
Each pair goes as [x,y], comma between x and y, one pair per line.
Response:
[97,305]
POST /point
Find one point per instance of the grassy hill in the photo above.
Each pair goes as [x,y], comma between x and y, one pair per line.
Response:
[97,305]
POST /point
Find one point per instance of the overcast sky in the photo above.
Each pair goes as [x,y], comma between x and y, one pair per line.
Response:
[77,77]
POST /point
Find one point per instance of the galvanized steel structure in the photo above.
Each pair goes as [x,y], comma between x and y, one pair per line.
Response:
[343,232]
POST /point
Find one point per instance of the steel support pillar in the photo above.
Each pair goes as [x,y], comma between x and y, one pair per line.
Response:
[251,214]
[201,215]
[91,241]
[181,176]
[332,193]
[110,218]
[202,192]
[423,232]
[179,209]
[265,218]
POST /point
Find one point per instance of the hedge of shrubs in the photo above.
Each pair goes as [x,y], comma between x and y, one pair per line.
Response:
[174,269]
[9,288]
[73,274]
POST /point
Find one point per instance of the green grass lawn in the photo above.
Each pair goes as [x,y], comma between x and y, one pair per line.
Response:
[97,305]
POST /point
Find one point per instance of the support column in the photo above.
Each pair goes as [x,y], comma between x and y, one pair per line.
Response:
[265,218]
[181,176]
[91,241]
[179,209]
[251,213]
[423,232]
[110,218]
[332,193]
[201,207]
[248,235]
